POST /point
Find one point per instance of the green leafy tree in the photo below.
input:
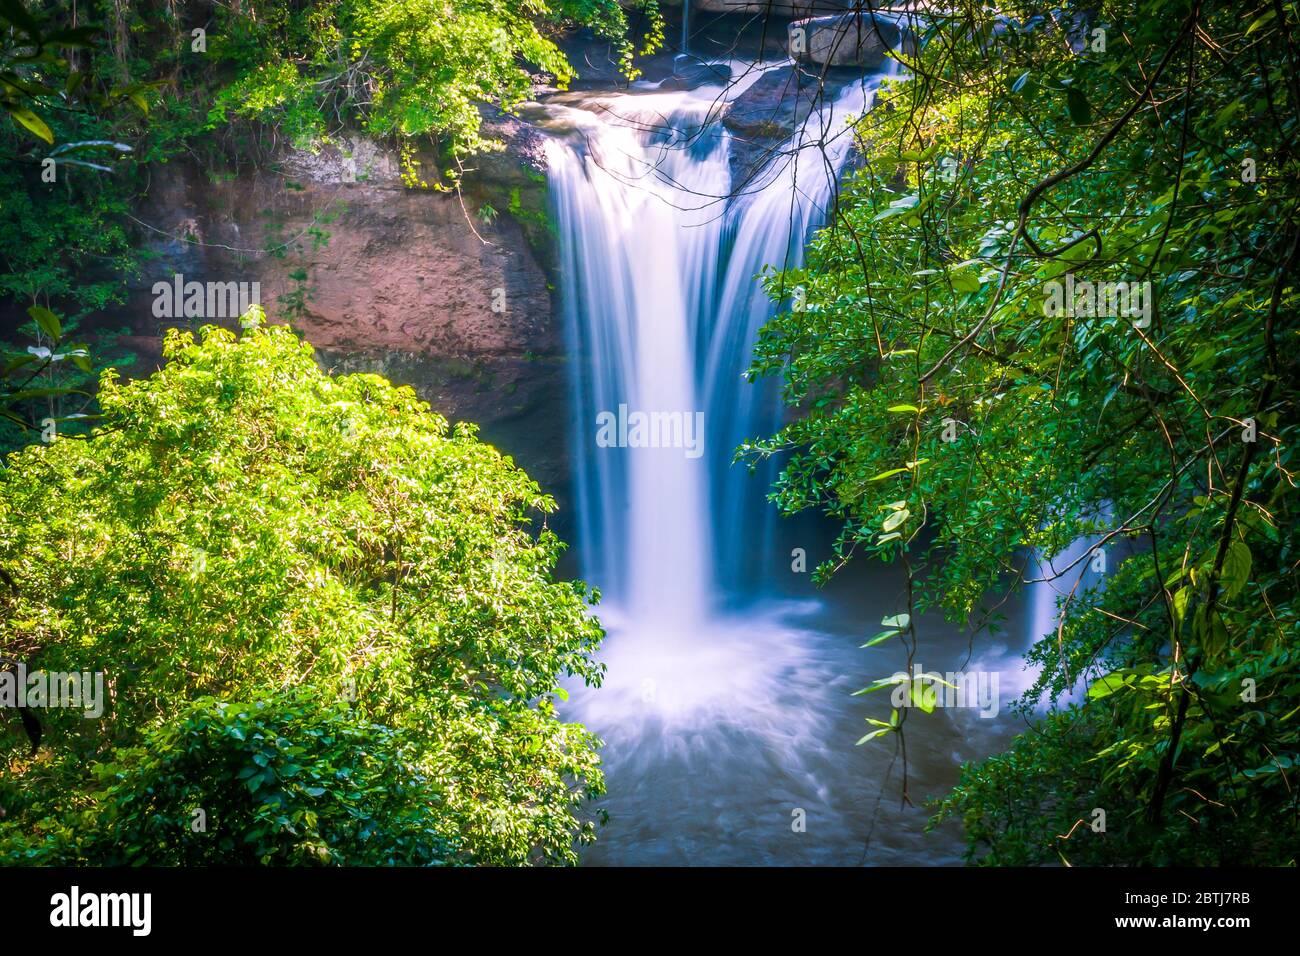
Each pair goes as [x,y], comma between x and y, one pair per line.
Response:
[402,68]
[960,424]
[243,524]
[76,82]
[61,245]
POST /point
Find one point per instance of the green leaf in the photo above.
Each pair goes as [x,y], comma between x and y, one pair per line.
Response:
[46,320]
[882,636]
[912,156]
[27,118]
[1236,568]
[895,519]
[1078,105]
[1105,686]
[964,281]
[1182,597]
[923,695]
[881,684]
[871,736]
[898,207]
[1261,21]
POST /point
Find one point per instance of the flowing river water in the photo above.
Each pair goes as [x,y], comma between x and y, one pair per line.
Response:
[727,711]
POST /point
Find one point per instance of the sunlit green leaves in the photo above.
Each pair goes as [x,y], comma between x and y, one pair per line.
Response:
[1041,428]
[244,523]
[424,66]
[26,118]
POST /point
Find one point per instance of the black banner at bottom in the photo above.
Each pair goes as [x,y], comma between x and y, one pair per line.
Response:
[262,906]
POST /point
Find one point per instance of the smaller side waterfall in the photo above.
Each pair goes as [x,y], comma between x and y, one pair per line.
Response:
[1064,577]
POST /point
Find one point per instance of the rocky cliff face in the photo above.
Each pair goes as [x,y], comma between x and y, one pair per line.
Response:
[447,293]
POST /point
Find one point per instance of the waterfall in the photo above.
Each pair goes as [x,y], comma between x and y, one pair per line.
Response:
[1067,576]
[662,308]
[639,239]
[724,711]
[770,227]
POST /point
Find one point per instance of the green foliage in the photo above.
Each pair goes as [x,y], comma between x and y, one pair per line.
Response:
[291,780]
[77,84]
[956,422]
[45,387]
[62,244]
[241,527]
[54,237]
[243,524]
[399,68]
[59,242]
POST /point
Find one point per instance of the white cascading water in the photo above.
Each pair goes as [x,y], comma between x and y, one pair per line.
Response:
[717,711]
[1065,579]
[636,244]
[663,308]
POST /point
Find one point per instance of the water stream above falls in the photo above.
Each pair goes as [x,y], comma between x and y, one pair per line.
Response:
[727,712]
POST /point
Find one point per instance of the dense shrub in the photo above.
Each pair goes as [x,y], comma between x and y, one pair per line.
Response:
[244,524]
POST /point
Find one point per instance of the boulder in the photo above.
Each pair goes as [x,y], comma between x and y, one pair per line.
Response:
[764,117]
[860,40]
[689,74]
[776,8]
